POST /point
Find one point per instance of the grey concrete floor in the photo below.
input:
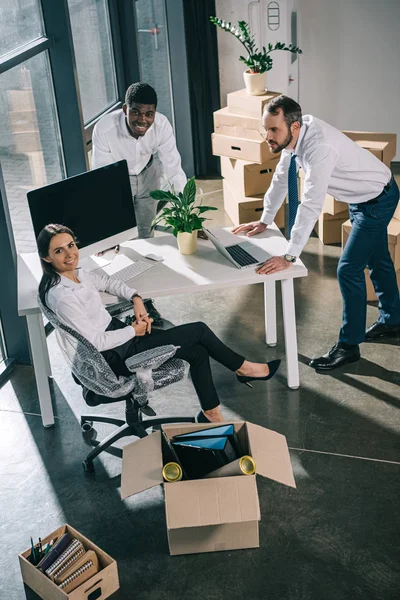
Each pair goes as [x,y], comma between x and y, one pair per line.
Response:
[334,537]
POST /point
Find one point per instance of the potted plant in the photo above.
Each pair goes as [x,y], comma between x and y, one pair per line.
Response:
[181,215]
[258,62]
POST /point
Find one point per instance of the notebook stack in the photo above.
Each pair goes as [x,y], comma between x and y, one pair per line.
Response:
[247,164]
[62,562]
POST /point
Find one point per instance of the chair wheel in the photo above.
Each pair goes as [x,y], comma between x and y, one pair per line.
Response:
[86,426]
[88,466]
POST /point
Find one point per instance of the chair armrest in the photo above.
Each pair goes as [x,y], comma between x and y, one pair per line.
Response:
[150,359]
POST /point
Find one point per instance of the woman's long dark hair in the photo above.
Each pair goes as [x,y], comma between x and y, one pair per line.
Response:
[50,277]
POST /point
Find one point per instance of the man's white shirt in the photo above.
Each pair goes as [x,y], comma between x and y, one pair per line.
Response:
[332,164]
[79,305]
[113,142]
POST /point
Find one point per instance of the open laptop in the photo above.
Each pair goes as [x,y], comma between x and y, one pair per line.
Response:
[243,254]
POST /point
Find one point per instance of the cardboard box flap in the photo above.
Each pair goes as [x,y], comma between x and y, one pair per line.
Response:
[204,502]
[141,465]
[271,454]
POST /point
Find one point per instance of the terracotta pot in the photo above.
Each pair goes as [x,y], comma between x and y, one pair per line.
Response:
[187,242]
[255,83]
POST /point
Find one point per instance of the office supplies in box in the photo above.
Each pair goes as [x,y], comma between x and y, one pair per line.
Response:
[75,569]
[218,513]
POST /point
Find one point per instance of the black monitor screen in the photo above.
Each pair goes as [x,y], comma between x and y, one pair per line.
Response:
[95,205]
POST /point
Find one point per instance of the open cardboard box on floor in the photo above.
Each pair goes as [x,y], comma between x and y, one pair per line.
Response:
[250,179]
[98,587]
[382,145]
[255,151]
[207,515]
[241,103]
[244,209]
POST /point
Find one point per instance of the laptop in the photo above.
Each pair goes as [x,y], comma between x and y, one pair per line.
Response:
[243,255]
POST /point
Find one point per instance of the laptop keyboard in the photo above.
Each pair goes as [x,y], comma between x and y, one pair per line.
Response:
[242,257]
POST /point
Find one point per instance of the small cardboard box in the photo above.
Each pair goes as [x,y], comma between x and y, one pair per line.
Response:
[237,126]
[244,209]
[329,227]
[251,150]
[250,179]
[382,145]
[331,205]
[98,587]
[241,103]
[207,515]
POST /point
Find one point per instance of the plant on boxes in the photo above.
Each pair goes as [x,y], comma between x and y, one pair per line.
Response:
[258,62]
[181,215]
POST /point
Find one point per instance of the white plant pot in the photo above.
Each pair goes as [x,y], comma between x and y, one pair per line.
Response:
[255,83]
[187,242]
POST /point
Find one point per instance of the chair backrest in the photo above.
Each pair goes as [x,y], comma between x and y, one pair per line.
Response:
[86,362]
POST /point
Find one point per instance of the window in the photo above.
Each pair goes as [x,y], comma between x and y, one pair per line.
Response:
[94,56]
[30,148]
[20,23]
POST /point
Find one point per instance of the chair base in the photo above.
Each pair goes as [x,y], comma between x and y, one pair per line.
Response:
[134,425]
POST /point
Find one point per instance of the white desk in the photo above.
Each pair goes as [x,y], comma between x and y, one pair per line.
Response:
[176,275]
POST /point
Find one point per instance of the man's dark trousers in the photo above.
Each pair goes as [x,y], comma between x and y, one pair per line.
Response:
[367,246]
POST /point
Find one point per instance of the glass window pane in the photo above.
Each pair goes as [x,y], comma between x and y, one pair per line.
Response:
[153,51]
[20,23]
[30,148]
[94,56]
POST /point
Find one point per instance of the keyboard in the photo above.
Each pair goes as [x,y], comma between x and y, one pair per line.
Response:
[133,270]
[242,257]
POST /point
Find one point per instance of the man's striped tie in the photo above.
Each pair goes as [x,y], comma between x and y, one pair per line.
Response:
[293,194]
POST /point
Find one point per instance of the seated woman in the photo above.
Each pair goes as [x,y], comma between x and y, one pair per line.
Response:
[73,295]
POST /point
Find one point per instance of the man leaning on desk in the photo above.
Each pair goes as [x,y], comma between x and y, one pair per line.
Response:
[335,164]
[135,133]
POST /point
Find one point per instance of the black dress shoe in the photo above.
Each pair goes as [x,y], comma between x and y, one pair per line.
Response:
[153,312]
[337,356]
[380,330]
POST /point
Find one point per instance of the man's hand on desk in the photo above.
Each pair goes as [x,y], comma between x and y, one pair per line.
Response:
[250,228]
[273,265]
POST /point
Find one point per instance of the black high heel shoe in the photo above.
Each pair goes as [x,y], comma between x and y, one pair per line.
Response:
[273,367]
[201,418]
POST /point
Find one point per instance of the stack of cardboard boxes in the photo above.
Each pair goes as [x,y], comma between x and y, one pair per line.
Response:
[383,146]
[247,164]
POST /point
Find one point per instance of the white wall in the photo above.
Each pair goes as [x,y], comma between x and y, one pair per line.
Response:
[350,67]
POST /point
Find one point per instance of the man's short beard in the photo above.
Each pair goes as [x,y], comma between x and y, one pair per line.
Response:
[284,145]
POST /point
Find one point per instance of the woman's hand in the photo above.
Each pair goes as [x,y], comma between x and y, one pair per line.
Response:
[141,313]
[140,328]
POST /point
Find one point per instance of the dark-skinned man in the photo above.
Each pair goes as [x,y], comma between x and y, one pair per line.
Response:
[136,133]
[334,164]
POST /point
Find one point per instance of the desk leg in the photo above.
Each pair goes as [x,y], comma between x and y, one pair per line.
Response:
[270,312]
[46,357]
[40,365]
[289,326]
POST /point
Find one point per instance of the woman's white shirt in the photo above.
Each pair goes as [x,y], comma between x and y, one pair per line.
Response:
[79,305]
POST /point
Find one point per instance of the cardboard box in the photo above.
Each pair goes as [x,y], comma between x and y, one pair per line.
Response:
[241,103]
[227,123]
[382,145]
[331,205]
[329,227]
[100,586]
[251,150]
[208,515]
[250,179]
[244,209]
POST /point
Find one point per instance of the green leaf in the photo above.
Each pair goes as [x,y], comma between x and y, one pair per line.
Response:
[161,195]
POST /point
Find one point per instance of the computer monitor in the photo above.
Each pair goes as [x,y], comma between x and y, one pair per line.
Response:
[96,205]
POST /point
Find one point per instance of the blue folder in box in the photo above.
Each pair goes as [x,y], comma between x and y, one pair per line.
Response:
[221,430]
[203,455]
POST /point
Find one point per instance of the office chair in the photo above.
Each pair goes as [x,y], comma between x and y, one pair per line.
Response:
[151,370]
